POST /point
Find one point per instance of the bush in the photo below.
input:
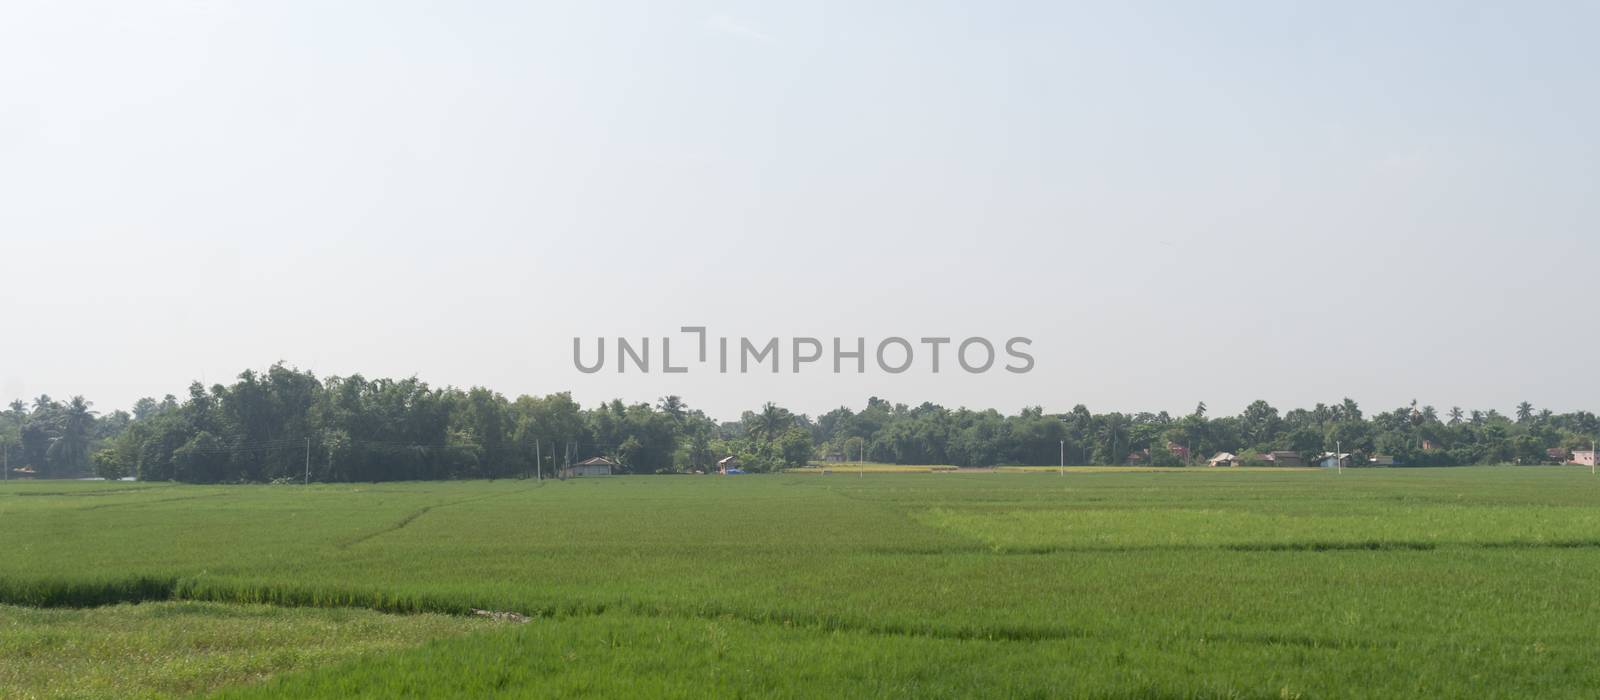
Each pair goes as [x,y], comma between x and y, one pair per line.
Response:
[1162,457]
[109,466]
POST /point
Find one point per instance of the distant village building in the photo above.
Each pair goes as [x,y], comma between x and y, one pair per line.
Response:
[726,463]
[1330,460]
[1284,458]
[1557,455]
[595,466]
[1584,457]
[1223,459]
[1382,460]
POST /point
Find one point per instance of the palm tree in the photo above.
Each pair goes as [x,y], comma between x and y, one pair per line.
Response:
[1455,415]
[1352,411]
[771,422]
[71,448]
[1114,427]
[1524,412]
[673,406]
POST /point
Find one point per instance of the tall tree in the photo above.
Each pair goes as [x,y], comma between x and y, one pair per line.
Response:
[71,448]
[674,407]
[1524,412]
[771,422]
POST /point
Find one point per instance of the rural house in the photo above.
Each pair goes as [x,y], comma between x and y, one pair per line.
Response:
[594,466]
[1584,457]
[1223,459]
[1284,458]
[1330,460]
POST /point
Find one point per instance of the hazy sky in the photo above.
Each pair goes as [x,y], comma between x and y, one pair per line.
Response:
[1177,201]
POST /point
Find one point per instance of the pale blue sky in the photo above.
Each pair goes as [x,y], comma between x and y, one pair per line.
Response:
[1176,201]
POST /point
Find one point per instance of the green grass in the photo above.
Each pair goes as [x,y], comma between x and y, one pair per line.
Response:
[175,649]
[879,468]
[1193,583]
[1151,470]
[869,468]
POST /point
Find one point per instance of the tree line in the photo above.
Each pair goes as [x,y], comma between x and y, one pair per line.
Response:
[285,424]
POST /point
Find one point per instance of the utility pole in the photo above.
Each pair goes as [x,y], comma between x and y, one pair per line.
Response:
[1063,457]
[538,460]
[5,460]
[1593,457]
[308,461]
[1338,456]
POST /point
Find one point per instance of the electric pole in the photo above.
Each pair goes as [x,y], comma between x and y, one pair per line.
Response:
[538,460]
[1063,457]
[308,461]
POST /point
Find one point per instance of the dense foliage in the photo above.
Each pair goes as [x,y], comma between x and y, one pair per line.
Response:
[51,438]
[1410,435]
[286,424]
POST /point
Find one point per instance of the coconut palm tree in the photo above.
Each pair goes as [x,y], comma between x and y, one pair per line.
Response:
[1524,412]
[71,447]
[1114,430]
[674,407]
[771,422]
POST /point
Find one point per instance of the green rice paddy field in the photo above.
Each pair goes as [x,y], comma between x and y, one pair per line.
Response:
[1468,582]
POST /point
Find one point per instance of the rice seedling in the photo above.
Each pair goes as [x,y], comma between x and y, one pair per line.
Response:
[1133,584]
